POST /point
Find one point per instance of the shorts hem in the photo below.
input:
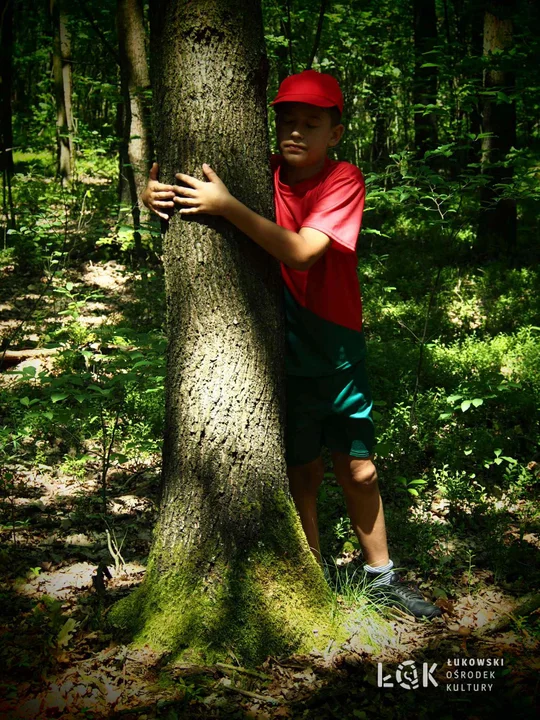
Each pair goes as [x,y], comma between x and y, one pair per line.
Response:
[361,454]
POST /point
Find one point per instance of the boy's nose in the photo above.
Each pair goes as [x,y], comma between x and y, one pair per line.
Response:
[296,133]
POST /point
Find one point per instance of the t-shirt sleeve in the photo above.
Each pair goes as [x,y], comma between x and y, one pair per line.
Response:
[338,210]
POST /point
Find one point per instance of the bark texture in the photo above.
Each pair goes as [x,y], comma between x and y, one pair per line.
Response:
[61,66]
[498,224]
[136,146]
[230,568]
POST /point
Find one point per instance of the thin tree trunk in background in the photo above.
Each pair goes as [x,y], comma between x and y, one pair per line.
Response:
[282,53]
[6,129]
[318,34]
[62,88]
[229,567]
[135,148]
[425,79]
[498,222]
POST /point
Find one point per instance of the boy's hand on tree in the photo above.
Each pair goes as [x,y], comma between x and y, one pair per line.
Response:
[202,197]
[156,196]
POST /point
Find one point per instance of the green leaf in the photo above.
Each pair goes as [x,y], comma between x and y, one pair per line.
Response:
[56,397]
[477,402]
[383,449]
[453,398]
[465,405]
[25,401]
[142,363]
[119,457]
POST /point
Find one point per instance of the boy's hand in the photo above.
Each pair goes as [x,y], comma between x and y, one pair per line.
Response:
[156,196]
[211,197]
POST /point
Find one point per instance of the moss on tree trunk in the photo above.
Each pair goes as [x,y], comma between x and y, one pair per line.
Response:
[229,569]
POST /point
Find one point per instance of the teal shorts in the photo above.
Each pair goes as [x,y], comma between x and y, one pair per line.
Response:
[334,411]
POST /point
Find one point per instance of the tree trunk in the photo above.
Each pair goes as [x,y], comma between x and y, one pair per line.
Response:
[229,569]
[135,148]
[425,79]
[6,131]
[498,222]
[62,88]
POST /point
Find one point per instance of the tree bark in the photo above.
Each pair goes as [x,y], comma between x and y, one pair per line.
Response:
[425,79]
[498,222]
[229,569]
[136,147]
[62,88]
[6,127]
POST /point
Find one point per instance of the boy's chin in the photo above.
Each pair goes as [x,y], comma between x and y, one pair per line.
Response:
[298,161]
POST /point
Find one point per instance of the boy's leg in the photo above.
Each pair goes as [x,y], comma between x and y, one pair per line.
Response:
[358,478]
[304,483]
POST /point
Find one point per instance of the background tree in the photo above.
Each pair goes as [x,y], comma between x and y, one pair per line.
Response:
[61,66]
[498,222]
[229,567]
[6,89]
[425,71]
[135,148]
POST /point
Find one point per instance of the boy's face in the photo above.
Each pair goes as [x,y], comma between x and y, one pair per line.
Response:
[304,133]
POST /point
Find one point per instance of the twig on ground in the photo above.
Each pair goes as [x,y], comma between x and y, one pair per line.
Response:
[254,673]
[253,695]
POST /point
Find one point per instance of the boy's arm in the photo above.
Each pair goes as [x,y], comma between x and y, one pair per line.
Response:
[297,250]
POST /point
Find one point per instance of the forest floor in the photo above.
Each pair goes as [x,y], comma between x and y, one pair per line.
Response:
[61,571]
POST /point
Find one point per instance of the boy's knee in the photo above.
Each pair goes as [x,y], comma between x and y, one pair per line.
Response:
[361,474]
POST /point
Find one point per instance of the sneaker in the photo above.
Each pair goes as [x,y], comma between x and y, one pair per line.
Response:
[409,599]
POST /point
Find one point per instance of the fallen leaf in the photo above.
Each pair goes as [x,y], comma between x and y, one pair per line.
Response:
[481,618]
[66,631]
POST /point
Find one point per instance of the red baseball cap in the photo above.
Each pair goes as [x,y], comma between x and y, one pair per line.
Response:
[310,87]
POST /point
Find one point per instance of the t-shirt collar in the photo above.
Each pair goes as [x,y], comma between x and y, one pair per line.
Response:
[303,184]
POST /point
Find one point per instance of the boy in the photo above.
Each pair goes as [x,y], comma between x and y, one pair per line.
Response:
[319,204]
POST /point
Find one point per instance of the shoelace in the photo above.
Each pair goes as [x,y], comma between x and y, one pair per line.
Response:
[405,592]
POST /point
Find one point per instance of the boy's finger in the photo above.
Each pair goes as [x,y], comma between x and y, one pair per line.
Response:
[189,180]
[186,201]
[188,192]
[154,171]
[164,194]
[163,203]
[210,174]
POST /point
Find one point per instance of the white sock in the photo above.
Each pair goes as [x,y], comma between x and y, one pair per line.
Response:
[382,573]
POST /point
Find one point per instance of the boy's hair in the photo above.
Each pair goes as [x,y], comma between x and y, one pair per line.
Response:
[335,115]
[334,112]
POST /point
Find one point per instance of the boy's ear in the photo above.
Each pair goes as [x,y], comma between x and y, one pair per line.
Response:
[337,132]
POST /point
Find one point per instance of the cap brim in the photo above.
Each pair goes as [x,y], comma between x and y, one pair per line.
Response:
[318,101]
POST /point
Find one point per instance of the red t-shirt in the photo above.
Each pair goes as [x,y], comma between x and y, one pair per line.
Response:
[323,303]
